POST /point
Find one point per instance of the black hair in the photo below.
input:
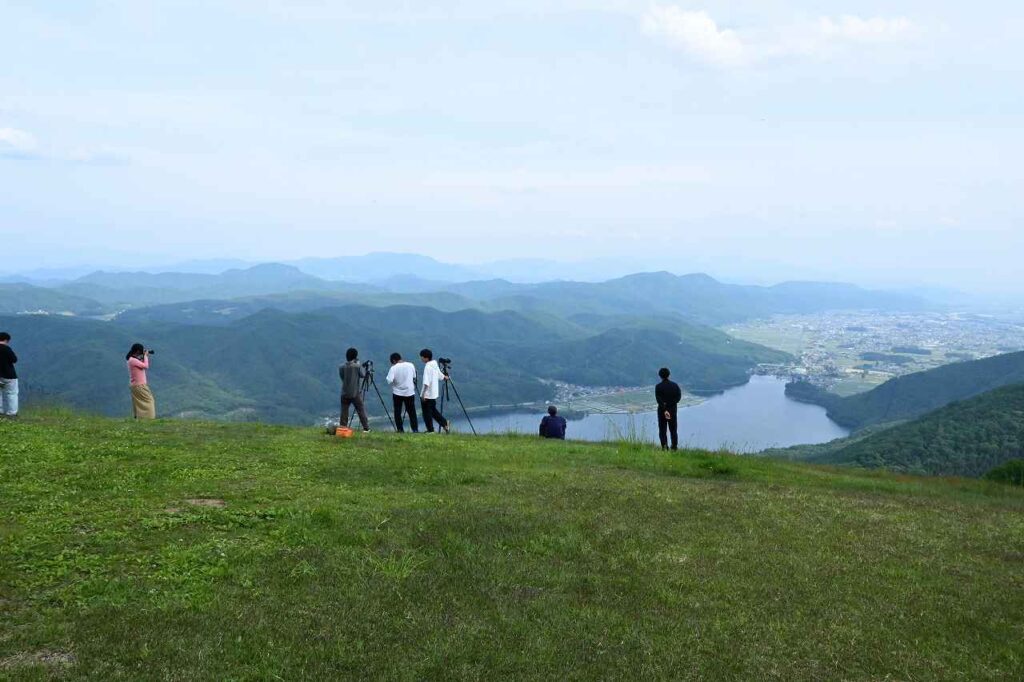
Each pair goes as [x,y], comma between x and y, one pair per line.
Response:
[395,357]
[427,353]
[4,336]
[664,373]
[351,354]
[552,410]
[137,350]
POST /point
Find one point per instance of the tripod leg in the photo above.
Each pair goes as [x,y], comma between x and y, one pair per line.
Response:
[384,405]
[464,410]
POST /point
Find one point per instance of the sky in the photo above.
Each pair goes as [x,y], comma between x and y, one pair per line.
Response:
[757,140]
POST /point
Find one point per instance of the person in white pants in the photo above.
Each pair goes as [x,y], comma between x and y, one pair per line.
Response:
[8,378]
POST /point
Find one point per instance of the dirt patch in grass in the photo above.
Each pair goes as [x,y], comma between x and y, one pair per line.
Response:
[206,502]
[52,659]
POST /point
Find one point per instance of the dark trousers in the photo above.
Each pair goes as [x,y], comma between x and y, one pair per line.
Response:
[668,425]
[432,414]
[409,403]
[360,410]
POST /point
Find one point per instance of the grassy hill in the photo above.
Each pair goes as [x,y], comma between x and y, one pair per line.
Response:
[178,550]
[966,438]
[915,394]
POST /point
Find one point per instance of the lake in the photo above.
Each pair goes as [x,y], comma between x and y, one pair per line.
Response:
[745,419]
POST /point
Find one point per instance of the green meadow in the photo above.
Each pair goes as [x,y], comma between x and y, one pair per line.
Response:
[180,550]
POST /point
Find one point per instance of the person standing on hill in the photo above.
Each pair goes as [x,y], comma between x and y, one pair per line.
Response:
[352,376]
[668,395]
[432,378]
[402,379]
[553,426]
[8,378]
[143,403]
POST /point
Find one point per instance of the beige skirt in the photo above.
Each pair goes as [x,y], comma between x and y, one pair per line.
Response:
[143,404]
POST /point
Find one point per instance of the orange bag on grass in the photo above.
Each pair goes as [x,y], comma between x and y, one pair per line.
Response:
[344,432]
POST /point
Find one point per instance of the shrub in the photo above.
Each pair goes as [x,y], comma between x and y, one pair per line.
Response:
[1011,472]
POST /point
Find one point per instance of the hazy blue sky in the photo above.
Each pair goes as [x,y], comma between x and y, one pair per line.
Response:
[872,141]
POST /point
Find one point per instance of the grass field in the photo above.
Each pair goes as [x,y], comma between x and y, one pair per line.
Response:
[188,551]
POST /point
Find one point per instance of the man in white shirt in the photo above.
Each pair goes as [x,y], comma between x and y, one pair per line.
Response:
[432,379]
[402,379]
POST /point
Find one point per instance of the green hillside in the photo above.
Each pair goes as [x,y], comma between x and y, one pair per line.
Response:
[219,312]
[25,298]
[916,394]
[967,438]
[179,550]
[282,367]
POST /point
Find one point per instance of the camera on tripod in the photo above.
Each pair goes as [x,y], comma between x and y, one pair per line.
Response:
[368,366]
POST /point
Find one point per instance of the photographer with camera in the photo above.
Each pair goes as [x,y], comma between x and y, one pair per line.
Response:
[432,378]
[352,375]
[402,380]
[143,403]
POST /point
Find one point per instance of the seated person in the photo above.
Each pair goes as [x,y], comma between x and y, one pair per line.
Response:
[553,426]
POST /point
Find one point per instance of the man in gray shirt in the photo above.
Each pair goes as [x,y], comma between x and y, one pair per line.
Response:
[352,375]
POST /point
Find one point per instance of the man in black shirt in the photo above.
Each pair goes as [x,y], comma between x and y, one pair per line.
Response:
[668,395]
[553,426]
[8,378]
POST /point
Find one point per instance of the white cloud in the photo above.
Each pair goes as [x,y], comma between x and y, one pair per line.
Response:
[19,145]
[14,142]
[699,35]
[696,33]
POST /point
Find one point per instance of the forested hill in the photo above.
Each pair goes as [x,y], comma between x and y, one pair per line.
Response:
[914,395]
[17,298]
[696,298]
[967,438]
[282,367]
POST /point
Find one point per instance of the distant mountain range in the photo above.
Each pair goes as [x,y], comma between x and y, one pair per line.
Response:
[372,268]
[264,340]
[697,298]
[280,366]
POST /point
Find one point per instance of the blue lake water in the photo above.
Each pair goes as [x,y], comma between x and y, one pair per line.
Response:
[745,419]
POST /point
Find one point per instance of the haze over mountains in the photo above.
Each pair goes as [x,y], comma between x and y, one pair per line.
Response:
[264,341]
[371,267]
[697,296]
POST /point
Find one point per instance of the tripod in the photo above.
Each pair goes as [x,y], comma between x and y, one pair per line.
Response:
[446,366]
[364,388]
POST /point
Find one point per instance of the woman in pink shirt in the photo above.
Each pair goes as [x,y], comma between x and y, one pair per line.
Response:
[143,404]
